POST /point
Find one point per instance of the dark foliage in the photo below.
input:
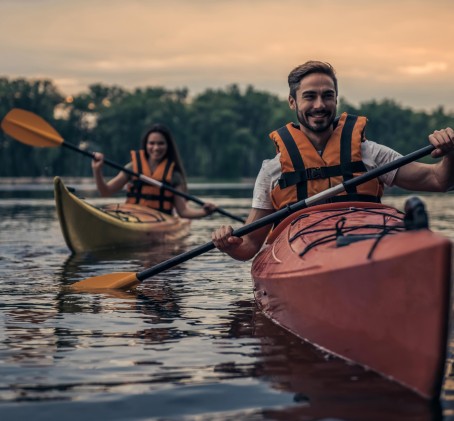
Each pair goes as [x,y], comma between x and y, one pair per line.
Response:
[222,134]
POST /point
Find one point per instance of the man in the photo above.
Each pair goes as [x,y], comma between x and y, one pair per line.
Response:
[311,158]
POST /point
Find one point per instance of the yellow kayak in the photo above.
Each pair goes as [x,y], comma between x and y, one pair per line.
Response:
[86,227]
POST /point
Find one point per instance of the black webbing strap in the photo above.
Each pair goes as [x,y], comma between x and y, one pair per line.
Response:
[297,160]
[291,178]
[137,184]
[346,149]
[162,197]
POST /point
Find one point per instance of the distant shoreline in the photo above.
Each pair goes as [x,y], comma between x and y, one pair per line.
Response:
[87,183]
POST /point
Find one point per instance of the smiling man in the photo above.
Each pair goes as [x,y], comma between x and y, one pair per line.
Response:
[322,151]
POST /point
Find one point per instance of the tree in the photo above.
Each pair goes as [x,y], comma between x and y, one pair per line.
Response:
[41,97]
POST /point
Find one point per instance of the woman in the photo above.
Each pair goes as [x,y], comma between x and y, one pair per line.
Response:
[158,159]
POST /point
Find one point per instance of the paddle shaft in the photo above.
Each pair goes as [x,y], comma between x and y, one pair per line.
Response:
[281,214]
[152,181]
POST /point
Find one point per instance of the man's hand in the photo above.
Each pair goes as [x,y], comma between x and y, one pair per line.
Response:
[223,239]
[443,141]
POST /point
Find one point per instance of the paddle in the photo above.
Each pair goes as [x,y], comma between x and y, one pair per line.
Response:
[31,129]
[125,280]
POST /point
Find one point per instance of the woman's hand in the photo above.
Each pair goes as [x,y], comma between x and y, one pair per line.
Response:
[209,208]
[98,161]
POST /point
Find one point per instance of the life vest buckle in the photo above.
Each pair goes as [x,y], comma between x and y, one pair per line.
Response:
[314,173]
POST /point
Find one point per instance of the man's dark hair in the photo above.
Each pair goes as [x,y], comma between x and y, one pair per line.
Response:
[303,70]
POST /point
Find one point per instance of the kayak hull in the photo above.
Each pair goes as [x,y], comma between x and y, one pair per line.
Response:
[383,304]
[87,228]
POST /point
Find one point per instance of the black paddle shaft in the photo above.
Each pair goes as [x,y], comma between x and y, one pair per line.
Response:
[161,184]
[282,213]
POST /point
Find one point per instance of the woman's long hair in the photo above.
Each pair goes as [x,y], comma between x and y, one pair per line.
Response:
[172,149]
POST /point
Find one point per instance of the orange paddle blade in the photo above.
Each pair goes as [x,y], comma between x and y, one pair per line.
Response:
[118,280]
[28,128]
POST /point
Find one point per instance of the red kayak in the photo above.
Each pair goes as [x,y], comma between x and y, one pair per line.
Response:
[364,282]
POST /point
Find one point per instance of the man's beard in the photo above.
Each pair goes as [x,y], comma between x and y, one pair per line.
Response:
[315,129]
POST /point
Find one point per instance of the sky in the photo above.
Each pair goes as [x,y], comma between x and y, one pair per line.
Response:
[395,49]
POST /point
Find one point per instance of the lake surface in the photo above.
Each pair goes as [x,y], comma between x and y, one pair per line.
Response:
[187,344]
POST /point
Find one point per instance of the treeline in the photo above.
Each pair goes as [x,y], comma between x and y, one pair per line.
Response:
[222,134]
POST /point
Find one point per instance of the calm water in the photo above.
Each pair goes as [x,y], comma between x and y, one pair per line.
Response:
[188,344]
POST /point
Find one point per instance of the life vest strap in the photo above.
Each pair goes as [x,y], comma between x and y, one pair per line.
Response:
[151,196]
[288,179]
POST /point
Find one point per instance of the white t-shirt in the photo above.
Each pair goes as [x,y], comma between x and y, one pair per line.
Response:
[373,155]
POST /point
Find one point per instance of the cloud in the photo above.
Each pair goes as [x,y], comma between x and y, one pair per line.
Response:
[429,68]
[206,44]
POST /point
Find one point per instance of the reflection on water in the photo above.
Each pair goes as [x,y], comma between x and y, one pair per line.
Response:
[322,385]
[186,344]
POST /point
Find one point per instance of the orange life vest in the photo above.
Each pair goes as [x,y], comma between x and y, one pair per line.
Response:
[145,194]
[305,172]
